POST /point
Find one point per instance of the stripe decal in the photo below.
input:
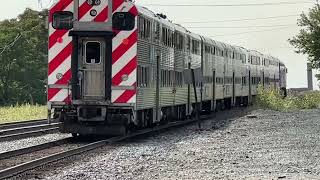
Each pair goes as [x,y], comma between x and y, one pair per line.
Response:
[124,61]
[124,51]
[126,70]
[126,96]
[117,53]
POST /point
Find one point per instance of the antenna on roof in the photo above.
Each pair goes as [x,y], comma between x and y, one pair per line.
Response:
[162,16]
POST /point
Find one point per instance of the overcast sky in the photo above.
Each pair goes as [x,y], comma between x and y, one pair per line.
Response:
[266,35]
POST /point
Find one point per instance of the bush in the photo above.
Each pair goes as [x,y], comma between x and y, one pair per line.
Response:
[272,99]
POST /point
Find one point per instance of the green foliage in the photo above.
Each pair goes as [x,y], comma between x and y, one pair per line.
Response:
[272,99]
[23,65]
[308,39]
[22,113]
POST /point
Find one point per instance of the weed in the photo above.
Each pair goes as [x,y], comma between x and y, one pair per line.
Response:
[24,112]
[272,99]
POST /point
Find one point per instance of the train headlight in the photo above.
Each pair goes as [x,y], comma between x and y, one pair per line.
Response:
[125,77]
[93,12]
[94,2]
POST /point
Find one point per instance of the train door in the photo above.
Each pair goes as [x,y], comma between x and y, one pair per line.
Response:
[158,81]
[213,91]
[92,61]
[263,80]
[224,79]
[250,88]
[233,88]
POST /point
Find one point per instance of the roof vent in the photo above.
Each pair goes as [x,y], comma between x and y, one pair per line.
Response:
[162,16]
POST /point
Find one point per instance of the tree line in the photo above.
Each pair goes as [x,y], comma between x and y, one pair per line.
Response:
[23,58]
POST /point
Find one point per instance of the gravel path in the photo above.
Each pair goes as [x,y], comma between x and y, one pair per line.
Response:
[28,142]
[268,145]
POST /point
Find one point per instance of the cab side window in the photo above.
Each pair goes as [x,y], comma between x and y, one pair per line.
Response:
[123,21]
[62,20]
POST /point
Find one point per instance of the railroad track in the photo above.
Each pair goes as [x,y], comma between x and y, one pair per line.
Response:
[18,168]
[25,124]
[38,162]
[15,131]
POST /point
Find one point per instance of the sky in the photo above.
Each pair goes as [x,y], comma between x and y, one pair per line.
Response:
[268,35]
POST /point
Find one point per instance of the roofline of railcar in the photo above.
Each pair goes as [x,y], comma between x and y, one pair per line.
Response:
[223,46]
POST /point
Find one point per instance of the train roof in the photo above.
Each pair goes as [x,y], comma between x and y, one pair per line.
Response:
[150,14]
[146,12]
[180,28]
[240,49]
[222,46]
[207,40]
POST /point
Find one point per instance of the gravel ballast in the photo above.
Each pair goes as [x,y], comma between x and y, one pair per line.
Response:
[265,145]
[28,142]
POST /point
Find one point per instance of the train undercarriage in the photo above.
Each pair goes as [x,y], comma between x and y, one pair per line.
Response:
[113,121]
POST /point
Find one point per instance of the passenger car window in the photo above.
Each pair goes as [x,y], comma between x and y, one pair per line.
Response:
[93,53]
[124,21]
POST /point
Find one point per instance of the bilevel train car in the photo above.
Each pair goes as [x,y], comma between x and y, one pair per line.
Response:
[115,66]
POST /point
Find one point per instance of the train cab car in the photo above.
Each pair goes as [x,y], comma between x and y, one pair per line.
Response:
[93,65]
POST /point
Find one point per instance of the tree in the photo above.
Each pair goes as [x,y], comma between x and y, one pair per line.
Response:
[308,40]
[23,52]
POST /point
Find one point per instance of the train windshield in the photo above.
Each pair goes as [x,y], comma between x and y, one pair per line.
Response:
[93,50]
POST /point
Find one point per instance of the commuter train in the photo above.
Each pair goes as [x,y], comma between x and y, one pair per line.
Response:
[115,66]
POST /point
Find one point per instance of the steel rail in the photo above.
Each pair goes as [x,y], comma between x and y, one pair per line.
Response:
[31,149]
[24,124]
[27,129]
[12,171]
[29,134]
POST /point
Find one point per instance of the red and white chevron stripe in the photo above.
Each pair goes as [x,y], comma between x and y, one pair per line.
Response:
[124,51]
[124,60]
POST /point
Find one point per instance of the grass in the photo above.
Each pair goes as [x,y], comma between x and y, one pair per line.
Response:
[19,113]
[271,99]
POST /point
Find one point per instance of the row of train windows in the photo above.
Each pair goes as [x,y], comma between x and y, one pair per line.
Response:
[255,80]
[265,62]
[178,41]
[143,76]
[167,78]
[255,60]
[169,38]
[226,80]
[258,80]
[171,78]
[244,80]
[218,52]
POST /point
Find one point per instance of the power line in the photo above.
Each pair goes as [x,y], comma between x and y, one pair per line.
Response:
[231,5]
[235,20]
[266,30]
[225,27]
